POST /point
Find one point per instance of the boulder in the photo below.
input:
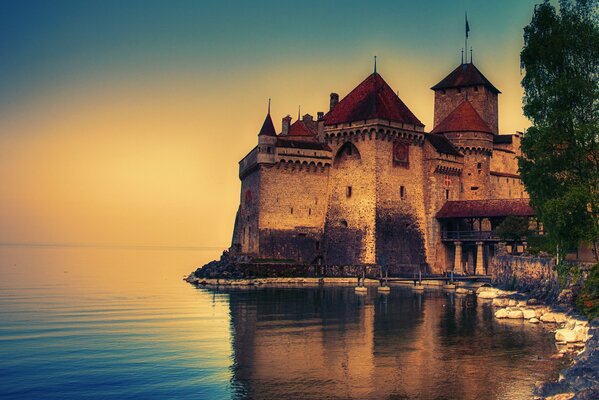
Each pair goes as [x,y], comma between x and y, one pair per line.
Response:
[560,317]
[500,302]
[548,317]
[566,335]
[512,303]
[528,314]
[487,294]
[515,314]
[532,302]
[533,321]
[501,313]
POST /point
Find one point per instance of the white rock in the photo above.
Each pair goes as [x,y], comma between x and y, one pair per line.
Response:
[533,321]
[566,335]
[500,302]
[516,314]
[501,313]
[522,303]
[528,314]
[560,317]
[512,303]
[548,317]
[488,294]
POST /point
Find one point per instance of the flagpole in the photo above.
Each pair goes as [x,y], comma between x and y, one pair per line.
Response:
[466,35]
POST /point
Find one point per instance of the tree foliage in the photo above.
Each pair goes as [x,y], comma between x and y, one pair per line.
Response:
[513,228]
[560,152]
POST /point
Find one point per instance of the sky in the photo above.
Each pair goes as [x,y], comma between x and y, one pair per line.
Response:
[122,122]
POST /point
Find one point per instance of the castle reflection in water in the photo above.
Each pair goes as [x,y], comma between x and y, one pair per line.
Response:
[328,342]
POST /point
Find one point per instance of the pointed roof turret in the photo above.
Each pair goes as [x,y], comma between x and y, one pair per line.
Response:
[465,75]
[268,128]
[463,119]
[373,98]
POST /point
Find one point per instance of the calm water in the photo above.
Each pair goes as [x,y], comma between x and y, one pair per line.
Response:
[119,324]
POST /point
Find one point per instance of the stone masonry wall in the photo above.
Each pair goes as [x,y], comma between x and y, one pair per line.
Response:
[441,174]
[536,275]
[400,222]
[249,212]
[293,205]
[350,221]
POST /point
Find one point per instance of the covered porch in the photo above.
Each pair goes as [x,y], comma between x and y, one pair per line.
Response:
[469,230]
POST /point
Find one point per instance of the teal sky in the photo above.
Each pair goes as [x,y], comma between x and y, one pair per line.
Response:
[50,42]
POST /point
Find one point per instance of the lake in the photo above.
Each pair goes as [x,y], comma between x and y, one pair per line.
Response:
[120,323]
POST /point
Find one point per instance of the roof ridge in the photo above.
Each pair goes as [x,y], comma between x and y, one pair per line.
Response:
[369,100]
[465,75]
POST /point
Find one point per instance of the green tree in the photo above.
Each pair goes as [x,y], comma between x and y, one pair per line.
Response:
[513,228]
[560,152]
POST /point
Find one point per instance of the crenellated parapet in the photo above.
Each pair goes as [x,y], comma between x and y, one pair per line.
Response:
[303,166]
[374,132]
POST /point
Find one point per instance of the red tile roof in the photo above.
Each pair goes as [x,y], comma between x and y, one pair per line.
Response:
[373,98]
[486,208]
[463,119]
[465,75]
[299,128]
[268,127]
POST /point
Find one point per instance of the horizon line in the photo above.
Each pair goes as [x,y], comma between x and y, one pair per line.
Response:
[109,246]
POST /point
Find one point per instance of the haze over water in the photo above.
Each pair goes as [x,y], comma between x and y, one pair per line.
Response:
[120,323]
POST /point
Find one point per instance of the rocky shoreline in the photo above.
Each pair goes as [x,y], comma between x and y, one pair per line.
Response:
[575,337]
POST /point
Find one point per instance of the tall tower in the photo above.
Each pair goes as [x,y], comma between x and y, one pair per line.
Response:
[473,137]
[466,82]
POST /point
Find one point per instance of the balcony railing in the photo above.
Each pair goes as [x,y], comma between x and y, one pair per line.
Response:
[478,235]
[469,235]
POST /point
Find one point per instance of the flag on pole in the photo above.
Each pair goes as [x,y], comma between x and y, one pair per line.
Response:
[467,26]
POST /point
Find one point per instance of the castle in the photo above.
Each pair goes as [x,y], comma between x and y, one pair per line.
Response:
[366,184]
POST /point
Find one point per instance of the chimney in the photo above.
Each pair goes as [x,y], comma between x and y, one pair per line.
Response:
[334,101]
[286,125]
[319,116]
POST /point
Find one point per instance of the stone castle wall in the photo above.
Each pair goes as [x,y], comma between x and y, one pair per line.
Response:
[350,222]
[442,182]
[293,205]
[400,221]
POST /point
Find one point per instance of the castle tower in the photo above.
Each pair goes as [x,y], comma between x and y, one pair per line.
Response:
[473,137]
[376,199]
[466,82]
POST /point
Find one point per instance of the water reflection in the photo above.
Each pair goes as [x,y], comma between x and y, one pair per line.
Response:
[316,343]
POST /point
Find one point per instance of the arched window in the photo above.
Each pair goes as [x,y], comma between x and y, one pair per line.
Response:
[347,152]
